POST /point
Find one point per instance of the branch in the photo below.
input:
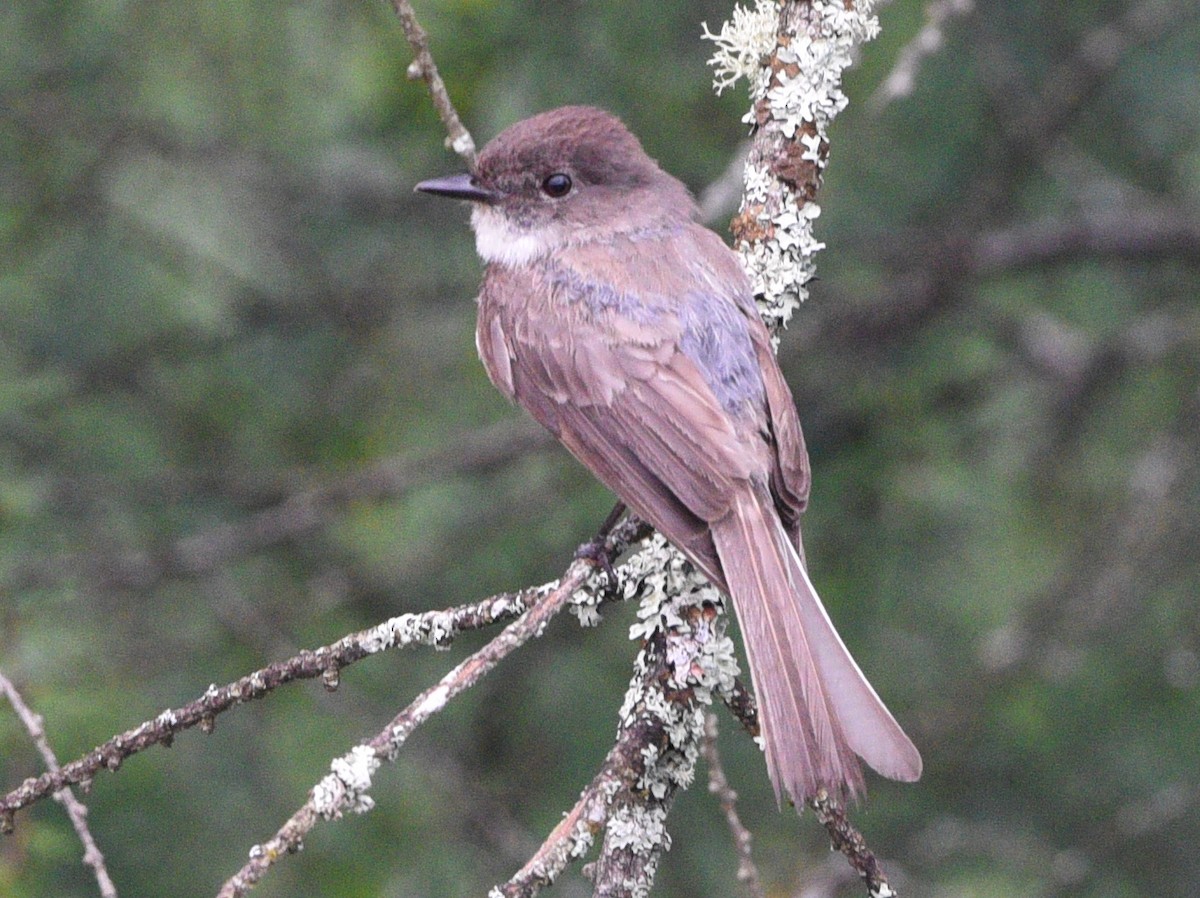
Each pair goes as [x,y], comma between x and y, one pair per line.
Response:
[1033,120]
[76,810]
[718,785]
[928,276]
[793,55]
[686,659]
[1139,234]
[624,765]
[436,628]
[424,68]
[345,788]
[311,509]
[842,833]
[902,79]
[741,704]
[851,844]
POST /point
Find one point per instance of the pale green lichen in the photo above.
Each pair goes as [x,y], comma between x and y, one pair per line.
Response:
[803,103]
[344,788]
[740,43]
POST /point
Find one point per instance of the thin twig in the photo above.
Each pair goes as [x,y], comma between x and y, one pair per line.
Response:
[718,785]
[300,512]
[424,68]
[1139,233]
[741,704]
[76,810]
[1034,119]
[842,833]
[849,841]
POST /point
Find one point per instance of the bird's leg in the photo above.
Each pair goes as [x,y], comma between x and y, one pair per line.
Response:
[595,551]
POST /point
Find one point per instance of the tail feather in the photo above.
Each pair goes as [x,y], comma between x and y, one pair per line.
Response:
[816,708]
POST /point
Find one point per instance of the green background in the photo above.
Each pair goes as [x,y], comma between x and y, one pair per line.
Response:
[217,291]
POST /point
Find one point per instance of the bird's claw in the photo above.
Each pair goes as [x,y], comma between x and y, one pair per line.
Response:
[596,553]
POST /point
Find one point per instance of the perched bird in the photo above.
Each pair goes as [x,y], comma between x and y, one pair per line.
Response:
[630,332]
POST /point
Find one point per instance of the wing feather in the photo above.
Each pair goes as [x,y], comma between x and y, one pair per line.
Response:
[607,375]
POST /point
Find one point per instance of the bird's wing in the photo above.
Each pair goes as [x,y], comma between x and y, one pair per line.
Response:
[790,474]
[652,383]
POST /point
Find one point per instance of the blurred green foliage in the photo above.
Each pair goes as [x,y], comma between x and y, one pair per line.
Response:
[217,291]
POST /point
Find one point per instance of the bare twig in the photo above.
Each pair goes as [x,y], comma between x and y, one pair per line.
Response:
[345,788]
[851,844]
[424,68]
[1140,233]
[718,785]
[951,265]
[719,198]
[741,704]
[76,810]
[310,509]
[842,833]
[1034,120]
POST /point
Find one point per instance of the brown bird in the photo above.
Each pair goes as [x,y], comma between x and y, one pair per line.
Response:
[630,332]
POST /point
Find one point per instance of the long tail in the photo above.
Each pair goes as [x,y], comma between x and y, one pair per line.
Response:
[816,708]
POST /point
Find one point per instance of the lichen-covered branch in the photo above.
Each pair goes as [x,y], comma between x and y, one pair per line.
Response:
[624,766]
[793,55]
[431,628]
[345,789]
[686,659]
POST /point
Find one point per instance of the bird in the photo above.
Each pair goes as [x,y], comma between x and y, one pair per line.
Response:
[630,332]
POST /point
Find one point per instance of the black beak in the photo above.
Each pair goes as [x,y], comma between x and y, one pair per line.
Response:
[457,187]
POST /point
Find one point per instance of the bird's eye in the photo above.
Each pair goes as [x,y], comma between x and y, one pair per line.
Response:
[557,185]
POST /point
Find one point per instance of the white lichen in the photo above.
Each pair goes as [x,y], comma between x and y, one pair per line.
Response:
[344,788]
[585,602]
[638,828]
[740,42]
[795,83]
[432,703]
[432,628]
[463,145]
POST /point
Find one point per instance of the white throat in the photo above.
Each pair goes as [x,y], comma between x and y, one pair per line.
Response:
[498,241]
